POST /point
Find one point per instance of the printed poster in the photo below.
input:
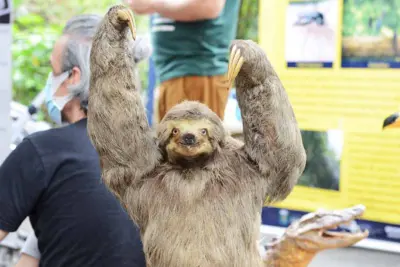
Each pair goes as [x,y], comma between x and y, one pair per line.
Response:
[310,39]
[323,148]
[370,34]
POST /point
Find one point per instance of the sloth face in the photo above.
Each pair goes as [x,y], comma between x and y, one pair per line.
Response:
[189,134]
[189,139]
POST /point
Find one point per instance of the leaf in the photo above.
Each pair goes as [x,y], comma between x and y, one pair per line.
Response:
[31,19]
[35,61]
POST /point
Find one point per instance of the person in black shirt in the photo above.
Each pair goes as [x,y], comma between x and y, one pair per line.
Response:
[54,176]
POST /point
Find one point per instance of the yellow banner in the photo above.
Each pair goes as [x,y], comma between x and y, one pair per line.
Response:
[340,110]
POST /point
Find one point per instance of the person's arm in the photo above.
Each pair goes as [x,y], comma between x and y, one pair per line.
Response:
[180,10]
[3,234]
[27,261]
[21,184]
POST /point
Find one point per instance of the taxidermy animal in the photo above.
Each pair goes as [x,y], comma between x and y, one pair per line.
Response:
[312,233]
[195,192]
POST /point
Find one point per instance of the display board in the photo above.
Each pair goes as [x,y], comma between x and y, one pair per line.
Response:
[5,77]
[340,106]
[370,34]
[310,33]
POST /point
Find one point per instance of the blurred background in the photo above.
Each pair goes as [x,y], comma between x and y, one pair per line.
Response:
[37,24]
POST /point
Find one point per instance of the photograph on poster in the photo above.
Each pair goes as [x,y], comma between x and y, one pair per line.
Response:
[370,34]
[5,11]
[324,151]
[310,37]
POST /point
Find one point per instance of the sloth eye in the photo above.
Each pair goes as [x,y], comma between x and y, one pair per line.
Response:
[203,131]
[175,131]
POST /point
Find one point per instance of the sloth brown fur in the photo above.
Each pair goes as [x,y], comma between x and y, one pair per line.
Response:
[195,192]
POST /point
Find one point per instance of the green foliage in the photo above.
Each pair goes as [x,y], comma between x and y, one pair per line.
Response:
[37,25]
[370,17]
[248,20]
[32,44]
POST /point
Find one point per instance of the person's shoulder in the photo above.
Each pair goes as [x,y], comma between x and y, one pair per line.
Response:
[53,134]
[46,135]
[53,140]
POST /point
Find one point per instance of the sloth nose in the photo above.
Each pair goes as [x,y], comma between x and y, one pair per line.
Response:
[189,139]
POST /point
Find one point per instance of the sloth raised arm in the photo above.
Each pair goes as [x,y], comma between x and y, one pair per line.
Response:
[117,123]
[272,137]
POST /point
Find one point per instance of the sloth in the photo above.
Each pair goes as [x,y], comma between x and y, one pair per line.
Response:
[195,193]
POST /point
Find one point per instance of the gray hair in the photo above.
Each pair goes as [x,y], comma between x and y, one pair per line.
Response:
[80,31]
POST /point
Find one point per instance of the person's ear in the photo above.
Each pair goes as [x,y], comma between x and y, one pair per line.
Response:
[75,75]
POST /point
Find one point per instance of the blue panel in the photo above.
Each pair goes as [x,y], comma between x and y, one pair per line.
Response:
[365,64]
[151,86]
[309,64]
[150,91]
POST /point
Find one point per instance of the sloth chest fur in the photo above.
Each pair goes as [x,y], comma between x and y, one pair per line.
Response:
[201,218]
[190,188]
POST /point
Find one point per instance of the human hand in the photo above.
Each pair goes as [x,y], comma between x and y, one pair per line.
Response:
[141,7]
[142,48]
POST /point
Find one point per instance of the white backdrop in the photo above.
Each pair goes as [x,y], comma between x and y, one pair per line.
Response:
[5,78]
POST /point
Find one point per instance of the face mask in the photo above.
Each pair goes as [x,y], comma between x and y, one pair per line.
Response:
[55,104]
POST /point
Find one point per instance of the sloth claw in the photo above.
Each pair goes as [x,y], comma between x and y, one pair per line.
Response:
[235,63]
